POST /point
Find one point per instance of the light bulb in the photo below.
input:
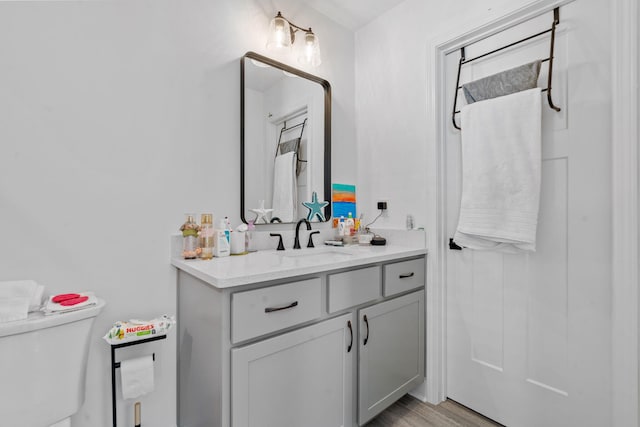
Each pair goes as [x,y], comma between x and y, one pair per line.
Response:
[310,51]
[279,33]
[309,40]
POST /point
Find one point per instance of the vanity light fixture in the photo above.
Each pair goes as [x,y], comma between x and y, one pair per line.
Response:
[282,35]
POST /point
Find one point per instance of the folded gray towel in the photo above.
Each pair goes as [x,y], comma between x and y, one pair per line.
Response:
[504,83]
[291,145]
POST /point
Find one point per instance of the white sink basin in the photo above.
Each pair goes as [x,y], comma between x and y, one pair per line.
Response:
[329,253]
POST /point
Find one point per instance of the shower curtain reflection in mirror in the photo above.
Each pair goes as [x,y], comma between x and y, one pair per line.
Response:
[289,171]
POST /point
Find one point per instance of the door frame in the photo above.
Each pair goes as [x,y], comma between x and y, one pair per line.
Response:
[625,218]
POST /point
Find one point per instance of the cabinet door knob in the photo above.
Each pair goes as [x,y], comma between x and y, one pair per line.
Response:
[272,309]
[366,322]
[406,275]
[351,331]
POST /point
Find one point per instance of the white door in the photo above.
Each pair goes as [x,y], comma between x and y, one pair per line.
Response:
[528,334]
[301,378]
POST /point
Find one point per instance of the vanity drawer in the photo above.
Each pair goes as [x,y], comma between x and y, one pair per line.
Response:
[354,287]
[403,276]
[260,311]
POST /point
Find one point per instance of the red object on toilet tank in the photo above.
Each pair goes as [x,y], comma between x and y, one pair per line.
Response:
[63,297]
[73,301]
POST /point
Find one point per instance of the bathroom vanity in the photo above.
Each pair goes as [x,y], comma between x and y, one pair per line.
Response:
[312,337]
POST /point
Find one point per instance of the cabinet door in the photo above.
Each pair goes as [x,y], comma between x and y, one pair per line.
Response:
[301,378]
[391,344]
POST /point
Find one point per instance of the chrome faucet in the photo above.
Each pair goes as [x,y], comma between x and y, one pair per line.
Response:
[296,243]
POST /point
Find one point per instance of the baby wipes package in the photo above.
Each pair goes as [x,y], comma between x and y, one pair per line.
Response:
[135,329]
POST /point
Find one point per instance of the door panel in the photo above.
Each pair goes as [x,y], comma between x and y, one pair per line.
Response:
[547,304]
[487,344]
[303,377]
[527,334]
[392,359]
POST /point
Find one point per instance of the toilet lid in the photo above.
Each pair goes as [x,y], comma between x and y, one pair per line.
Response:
[38,320]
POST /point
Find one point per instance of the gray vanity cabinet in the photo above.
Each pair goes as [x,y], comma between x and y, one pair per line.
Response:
[300,378]
[291,352]
[391,346]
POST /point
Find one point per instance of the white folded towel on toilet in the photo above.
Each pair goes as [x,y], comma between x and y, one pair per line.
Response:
[11,309]
[18,298]
[501,172]
[51,307]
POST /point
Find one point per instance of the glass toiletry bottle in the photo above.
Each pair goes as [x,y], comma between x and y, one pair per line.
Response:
[249,236]
[206,236]
[364,236]
[190,249]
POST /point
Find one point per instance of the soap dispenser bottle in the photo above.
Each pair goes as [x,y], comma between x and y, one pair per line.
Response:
[221,247]
[349,226]
[190,249]
[341,226]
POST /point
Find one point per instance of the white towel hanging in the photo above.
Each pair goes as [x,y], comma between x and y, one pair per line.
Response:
[285,187]
[501,162]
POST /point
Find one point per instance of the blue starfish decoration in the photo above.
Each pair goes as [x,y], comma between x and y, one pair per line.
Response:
[315,207]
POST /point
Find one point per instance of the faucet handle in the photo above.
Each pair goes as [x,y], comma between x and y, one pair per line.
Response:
[280,245]
[310,244]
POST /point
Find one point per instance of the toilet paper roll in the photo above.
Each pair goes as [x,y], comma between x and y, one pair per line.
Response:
[137,376]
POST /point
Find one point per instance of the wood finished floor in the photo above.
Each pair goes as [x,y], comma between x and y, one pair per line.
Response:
[410,412]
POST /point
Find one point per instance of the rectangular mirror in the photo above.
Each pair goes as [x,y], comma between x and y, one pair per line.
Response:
[285,141]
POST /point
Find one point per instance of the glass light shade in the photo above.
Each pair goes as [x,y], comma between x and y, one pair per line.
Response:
[309,51]
[279,33]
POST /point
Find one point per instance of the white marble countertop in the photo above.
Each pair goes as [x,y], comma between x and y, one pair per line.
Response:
[266,265]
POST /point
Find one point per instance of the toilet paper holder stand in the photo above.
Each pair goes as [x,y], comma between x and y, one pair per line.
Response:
[115,365]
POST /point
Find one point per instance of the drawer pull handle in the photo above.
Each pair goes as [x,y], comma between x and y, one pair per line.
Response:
[366,322]
[406,276]
[351,331]
[272,309]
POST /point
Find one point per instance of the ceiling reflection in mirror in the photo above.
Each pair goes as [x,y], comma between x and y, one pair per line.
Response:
[285,141]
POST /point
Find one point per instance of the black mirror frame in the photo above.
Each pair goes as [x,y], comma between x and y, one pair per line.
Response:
[327,125]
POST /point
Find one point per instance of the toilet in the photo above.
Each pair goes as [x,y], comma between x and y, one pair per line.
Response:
[43,365]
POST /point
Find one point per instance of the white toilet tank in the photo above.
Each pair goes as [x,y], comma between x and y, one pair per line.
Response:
[43,364]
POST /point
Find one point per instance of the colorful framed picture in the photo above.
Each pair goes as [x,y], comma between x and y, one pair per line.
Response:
[343,201]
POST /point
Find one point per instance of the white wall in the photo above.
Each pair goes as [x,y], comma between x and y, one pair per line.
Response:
[116,118]
[392,99]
